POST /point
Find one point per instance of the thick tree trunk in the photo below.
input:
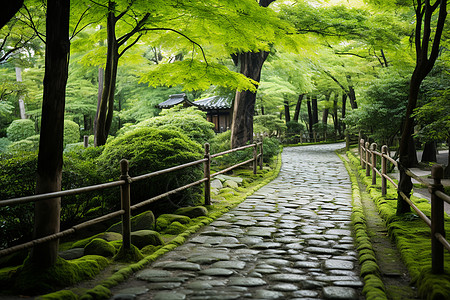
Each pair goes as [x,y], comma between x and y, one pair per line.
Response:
[50,160]
[429,152]
[325,115]
[105,114]
[287,113]
[9,9]
[244,102]
[298,107]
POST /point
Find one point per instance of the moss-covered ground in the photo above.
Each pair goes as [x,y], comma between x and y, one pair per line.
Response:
[105,273]
[410,234]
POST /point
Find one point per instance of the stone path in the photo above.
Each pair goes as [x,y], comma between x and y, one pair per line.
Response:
[290,240]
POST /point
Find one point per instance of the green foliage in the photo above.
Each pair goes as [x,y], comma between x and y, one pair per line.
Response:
[71,132]
[20,129]
[149,149]
[270,125]
[324,130]
[4,143]
[293,132]
[190,121]
[17,179]
[382,114]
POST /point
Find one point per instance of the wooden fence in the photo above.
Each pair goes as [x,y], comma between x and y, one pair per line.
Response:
[125,182]
[368,157]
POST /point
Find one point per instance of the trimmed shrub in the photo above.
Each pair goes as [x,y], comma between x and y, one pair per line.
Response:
[191,121]
[20,130]
[4,143]
[71,132]
[150,149]
[293,132]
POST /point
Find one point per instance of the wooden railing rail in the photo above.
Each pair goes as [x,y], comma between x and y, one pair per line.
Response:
[125,183]
[368,160]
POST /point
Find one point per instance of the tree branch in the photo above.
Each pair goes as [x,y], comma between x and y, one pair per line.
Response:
[183,35]
[130,45]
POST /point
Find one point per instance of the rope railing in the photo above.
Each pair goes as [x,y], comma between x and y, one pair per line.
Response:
[368,161]
[125,183]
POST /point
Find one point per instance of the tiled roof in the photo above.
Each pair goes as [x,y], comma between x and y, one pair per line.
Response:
[174,100]
[214,102]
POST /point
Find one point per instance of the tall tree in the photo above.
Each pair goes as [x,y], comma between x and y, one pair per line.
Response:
[427,39]
[251,63]
[50,160]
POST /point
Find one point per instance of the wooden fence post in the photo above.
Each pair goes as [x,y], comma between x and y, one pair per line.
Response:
[86,141]
[384,151]
[362,154]
[373,148]
[125,200]
[207,174]
[255,157]
[437,220]
[261,152]
[367,158]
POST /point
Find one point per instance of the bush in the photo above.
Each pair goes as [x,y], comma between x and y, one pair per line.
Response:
[271,148]
[71,132]
[191,121]
[293,132]
[325,131]
[147,150]
[17,179]
[269,125]
[30,144]
[4,143]
[20,130]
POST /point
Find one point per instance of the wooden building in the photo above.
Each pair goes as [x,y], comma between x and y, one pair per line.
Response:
[218,109]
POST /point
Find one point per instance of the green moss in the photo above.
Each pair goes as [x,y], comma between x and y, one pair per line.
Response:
[99,292]
[100,247]
[192,212]
[63,294]
[175,228]
[164,220]
[374,288]
[32,279]
[143,238]
[131,255]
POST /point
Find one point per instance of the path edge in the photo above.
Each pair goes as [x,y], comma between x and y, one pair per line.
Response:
[102,290]
[374,287]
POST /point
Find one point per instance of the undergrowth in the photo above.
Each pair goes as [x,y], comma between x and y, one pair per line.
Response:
[412,237]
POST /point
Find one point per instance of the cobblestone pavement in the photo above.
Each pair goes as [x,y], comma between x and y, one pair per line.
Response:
[290,240]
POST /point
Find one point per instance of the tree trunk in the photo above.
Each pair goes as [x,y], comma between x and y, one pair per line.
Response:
[351,92]
[287,113]
[337,125]
[101,76]
[50,159]
[429,152]
[9,9]
[315,111]
[105,114]
[298,107]
[21,102]
[325,115]
[244,102]
[344,110]
[310,119]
